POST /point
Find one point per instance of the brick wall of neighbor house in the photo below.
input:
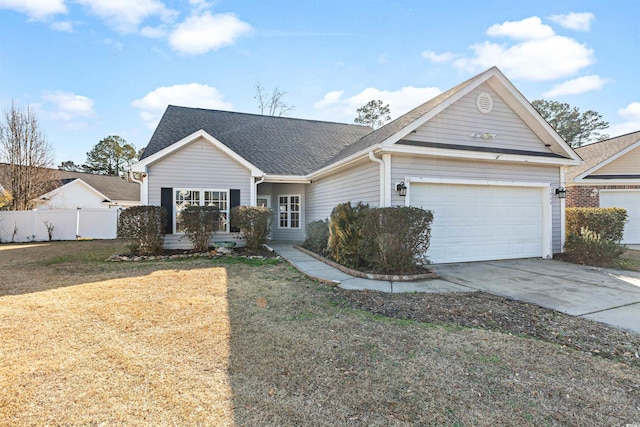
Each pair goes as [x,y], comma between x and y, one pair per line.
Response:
[588,196]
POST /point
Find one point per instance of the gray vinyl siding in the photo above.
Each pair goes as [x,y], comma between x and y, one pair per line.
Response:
[198,165]
[355,183]
[456,124]
[274,190]
[403,167]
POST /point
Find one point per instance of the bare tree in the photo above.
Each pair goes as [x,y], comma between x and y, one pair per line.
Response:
[271,104]
[28,155]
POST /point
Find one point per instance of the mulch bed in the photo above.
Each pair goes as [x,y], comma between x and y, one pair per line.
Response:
[486,311]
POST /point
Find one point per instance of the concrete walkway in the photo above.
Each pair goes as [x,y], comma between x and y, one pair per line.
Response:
[604,295]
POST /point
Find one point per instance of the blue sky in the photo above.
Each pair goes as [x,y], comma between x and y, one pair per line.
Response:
[93,68]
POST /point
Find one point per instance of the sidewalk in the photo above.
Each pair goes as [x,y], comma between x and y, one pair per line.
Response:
[320,271]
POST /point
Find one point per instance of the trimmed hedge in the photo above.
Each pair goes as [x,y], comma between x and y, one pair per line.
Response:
[317,236]
[199,224]
[253,222]
[395,239]
[144,226]
[590,248]
[594,235]
[607,222]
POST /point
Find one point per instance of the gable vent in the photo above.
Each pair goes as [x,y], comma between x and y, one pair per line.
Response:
[484,102]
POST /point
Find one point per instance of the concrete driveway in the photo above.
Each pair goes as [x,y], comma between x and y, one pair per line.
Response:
[604,295]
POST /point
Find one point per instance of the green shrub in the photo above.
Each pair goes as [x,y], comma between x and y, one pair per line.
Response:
[345,234]
[395,239]
[317,236]
[590,248]
[253,222]
[199,224]
[607,222]
[144,226]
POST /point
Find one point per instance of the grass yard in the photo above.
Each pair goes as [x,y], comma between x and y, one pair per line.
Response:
[211,343]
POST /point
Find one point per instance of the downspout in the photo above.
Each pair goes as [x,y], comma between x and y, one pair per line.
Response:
[254,202]
[143,194]
[373,158]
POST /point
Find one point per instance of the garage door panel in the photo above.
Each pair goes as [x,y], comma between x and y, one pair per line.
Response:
[474,222]
[629,200]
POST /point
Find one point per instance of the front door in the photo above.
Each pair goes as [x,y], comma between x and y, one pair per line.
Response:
[265,201]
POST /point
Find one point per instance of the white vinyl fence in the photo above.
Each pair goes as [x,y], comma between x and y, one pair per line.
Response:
[68,224]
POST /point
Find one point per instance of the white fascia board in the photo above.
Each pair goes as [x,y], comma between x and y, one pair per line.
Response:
[140,166]
[77,181]
[288,179]
[532,115]
[477,155]
[616,156]
[590,182]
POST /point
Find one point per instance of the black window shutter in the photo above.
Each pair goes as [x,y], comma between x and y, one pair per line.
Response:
[166,201]
[234,200]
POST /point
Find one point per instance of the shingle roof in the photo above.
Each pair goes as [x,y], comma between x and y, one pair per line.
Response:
[598,152]
[276,145]
[114,187]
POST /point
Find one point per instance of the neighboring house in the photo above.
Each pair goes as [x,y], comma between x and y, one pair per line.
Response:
[609,177]
[478,155]
[71,190]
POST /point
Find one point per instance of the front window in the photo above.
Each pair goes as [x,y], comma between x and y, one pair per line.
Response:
[289,211]
[190,197]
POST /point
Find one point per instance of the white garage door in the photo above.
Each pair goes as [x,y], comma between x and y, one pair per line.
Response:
[629,200]
[476,222]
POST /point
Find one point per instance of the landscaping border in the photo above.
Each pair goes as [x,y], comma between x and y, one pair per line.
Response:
[371,276]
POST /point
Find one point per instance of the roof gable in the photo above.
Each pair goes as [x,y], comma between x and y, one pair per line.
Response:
[600,154]
[407,124]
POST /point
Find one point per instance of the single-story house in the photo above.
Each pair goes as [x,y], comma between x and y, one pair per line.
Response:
[478,155]
[609,177]
[72,190]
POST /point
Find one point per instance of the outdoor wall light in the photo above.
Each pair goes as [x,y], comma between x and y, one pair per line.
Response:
[401,189]
[561,192]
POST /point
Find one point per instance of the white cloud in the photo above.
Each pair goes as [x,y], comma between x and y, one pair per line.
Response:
[195,95]
[330,98]
[574,21]
[333,107]
[439,57]
[67,106]
[154,32]
[542,55]
[576,86]
[65,26]
[631,116]
[207,32]
[35,9]
[527,29]
[126,15]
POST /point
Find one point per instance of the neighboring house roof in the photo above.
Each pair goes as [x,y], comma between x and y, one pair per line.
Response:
[114,188]
[600,153]
[276,145]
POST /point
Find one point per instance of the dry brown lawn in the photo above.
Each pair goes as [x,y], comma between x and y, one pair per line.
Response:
[204,342]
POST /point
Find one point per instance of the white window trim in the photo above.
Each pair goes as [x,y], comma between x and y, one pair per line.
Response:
[288,227]
[201,191]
